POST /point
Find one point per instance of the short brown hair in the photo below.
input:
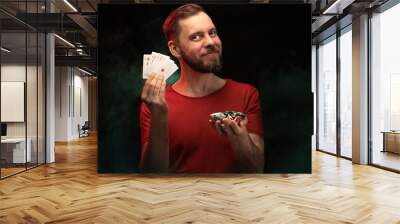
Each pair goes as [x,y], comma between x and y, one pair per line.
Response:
[171,26]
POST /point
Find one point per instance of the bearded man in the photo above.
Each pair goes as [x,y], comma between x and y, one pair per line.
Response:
[177,134]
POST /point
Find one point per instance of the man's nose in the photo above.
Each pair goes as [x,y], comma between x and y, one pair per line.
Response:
[210,41]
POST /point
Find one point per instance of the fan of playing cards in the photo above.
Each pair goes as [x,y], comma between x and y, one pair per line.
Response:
[159,64]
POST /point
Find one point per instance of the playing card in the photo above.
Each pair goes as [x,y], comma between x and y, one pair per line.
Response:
[155,60]
[158,63]
[167,68]
[166,56]
[146,64]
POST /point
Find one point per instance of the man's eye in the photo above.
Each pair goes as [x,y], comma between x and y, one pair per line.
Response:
[196,37]
[213,33]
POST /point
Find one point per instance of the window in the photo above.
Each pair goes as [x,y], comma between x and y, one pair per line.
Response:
[327,95]
[385,88]
[346,92]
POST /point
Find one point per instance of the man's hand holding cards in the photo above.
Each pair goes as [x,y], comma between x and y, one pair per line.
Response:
[159,64]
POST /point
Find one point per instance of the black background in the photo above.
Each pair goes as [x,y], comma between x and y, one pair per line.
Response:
[267,46]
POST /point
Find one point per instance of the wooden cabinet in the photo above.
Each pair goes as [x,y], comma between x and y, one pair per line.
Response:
[391,142]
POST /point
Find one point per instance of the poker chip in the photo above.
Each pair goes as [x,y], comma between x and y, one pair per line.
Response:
[232,115]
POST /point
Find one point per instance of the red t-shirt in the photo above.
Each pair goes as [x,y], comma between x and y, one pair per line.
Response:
[194,146]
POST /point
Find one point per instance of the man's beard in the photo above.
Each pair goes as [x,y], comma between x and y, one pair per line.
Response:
[198,65]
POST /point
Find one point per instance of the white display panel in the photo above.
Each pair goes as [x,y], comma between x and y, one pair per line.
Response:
[12,101]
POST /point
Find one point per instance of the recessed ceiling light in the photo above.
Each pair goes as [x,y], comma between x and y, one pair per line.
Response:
[84,71]
[64,40]
[70,5]
[338,6]
[5,50]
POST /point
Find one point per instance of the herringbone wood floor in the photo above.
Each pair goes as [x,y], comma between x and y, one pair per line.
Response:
[71,191]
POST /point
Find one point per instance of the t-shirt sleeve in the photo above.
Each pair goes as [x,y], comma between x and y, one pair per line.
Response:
[145,123]
[254,113]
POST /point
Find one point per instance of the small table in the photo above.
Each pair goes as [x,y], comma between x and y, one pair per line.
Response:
[391,141]
[13,150]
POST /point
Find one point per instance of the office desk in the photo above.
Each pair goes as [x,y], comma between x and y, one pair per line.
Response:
[13,150]
[391,141]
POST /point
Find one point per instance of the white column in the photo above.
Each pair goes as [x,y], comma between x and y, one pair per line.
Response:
[50,92]
[360,90]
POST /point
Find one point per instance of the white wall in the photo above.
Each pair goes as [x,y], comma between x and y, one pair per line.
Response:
[80,110]
[71,93]
[62,80]
[16,73]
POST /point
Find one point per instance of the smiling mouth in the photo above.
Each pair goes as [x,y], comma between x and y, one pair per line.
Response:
[211,53]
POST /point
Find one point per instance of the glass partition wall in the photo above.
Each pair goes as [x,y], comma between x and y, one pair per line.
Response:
[334,90]
[22,77]
[345,62]
[385,89]
[334,94]
[327,95]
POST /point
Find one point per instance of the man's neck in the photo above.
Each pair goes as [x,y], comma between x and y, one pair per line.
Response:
[195,84]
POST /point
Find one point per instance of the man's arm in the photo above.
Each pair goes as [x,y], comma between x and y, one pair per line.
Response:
[156,149]
[248,147]
[251,154]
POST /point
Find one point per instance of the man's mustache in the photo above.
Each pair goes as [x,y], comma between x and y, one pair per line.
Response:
[212,49]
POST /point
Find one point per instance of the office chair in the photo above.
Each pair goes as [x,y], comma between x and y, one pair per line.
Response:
[84,130]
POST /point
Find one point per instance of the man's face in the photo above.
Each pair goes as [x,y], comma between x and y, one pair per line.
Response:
[199,44]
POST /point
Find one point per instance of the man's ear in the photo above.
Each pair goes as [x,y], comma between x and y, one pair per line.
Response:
[174,49]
